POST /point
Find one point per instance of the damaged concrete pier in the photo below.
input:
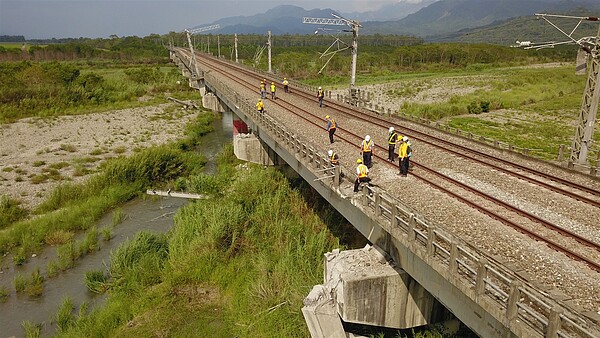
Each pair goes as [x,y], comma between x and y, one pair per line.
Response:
[362,287]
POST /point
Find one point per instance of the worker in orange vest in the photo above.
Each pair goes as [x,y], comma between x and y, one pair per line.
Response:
[331,127]
[366,148]
[320,96]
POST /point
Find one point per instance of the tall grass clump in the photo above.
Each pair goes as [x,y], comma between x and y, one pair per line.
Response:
[77,206]
[64,315]
[139,262]
[117,216]
[10,211]
[4,293]
[31,329]
[96,281]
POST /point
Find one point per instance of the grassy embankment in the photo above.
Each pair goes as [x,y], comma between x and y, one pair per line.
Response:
[238,264]
[534,108]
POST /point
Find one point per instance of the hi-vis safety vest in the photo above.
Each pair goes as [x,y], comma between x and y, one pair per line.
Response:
[272,88]
[332,124]
[392,139]
[366,146]
[320,93]
[263,86]
[403,151]
[333,159]
[260,105]
[285,82]
[362,171]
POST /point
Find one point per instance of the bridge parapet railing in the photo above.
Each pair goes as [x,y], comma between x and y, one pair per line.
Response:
[483,279]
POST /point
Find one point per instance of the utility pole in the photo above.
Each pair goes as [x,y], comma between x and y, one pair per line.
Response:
[236,52]
[269,50]
[354,25]
[589,104]
[589,107]
[189,34]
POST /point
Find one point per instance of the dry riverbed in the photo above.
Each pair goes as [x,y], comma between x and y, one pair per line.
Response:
[37,154]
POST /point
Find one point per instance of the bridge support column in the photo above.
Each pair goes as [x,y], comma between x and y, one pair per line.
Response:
[367,290]
[248,147]
[212,102]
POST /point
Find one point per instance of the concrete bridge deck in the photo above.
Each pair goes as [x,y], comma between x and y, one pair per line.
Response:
[487,296]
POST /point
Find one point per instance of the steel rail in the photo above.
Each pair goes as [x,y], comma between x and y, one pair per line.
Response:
[426,139]
[548,225]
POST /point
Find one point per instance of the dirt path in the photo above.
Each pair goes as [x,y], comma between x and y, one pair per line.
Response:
[38,154]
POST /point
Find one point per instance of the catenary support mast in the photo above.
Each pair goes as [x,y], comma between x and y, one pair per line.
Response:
[189,33]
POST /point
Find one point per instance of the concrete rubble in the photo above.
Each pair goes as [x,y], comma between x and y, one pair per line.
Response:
[361,286]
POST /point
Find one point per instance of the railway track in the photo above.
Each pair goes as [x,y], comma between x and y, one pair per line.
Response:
[571,244]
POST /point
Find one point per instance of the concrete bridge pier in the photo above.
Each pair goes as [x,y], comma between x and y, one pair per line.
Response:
[362,287]
[248,147]
[212,102]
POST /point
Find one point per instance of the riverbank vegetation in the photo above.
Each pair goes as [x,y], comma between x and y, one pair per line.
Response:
[71,208]
[237,265]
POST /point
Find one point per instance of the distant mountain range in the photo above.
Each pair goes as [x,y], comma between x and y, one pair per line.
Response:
[492,21]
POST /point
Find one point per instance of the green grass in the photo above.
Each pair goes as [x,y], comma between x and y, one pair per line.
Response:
[4,293]
[74,207]
[226,261]
[10,211]
[64,315]
[31,329]
[95,280]
[534,108]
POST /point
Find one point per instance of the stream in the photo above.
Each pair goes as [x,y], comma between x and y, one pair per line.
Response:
[141,214]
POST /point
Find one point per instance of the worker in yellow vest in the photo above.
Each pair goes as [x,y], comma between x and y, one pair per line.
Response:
[403,155]
[260,106]
[392,140]
[334,159]
[362,173]
[320,96]
[285,85]
[263,90]
[273,89]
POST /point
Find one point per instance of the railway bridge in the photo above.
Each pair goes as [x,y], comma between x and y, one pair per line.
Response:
[433,264]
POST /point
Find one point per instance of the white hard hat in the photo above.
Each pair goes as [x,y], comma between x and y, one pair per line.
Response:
[319,87]
[391,129]
[330,153]
[367,138]
[405,138]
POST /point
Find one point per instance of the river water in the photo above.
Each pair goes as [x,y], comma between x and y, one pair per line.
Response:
[149,214]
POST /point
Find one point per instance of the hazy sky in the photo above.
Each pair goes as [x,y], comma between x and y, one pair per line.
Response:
[40,19]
